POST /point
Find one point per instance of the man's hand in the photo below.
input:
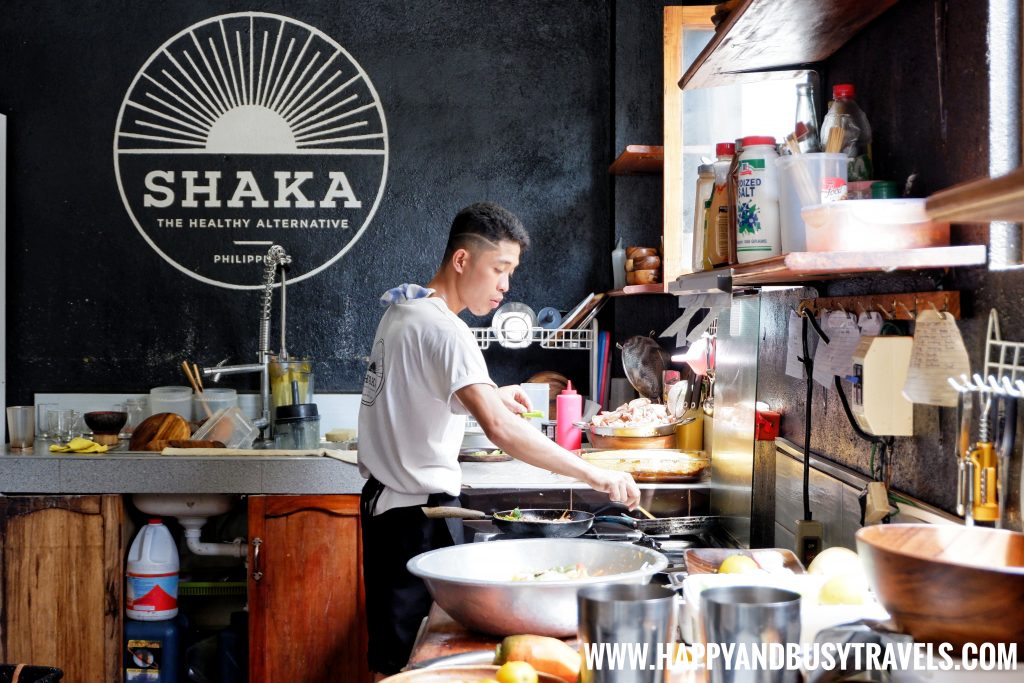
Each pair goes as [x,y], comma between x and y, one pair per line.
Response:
[619,486]
[514,398]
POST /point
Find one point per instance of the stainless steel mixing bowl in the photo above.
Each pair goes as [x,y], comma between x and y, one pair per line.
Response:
[473,582]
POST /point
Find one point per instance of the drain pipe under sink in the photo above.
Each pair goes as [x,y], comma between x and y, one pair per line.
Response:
[193,527]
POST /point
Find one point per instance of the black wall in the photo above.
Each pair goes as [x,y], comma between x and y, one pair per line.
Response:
[944,142]
[510,102]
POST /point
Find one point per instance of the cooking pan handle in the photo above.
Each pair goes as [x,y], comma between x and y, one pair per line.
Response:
[449,512]
[624,520]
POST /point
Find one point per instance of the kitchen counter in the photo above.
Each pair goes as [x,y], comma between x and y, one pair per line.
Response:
[442,636]
[138,472]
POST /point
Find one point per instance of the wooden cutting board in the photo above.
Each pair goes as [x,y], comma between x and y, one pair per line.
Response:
[159,427]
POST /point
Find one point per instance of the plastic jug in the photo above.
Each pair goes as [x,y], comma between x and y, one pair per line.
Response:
[568,410]
[152,573]
[152,650]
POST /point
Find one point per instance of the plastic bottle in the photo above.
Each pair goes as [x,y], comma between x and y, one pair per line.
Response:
[618,266]
[568,410]
[152,650]
[705,185]
[757,202]
[152,573]
[716,242]
[845,112]
[732,180]
[885,189]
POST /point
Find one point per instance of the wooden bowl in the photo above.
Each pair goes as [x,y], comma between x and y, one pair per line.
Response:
[457,674]
[105,425]
[646,263]
[105,421]
[643,277]
[640,252]
[948,583]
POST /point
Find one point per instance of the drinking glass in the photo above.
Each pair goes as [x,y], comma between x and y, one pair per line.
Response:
[626,613]
[43,420]
[60,423]
[78,427]
[748,617]
[20,426]
[137,410]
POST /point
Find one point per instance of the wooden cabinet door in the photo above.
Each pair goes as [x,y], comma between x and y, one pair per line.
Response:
[61,579]
[307,616]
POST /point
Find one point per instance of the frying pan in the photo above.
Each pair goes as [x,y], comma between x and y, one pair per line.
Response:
[664,525]
[534,522]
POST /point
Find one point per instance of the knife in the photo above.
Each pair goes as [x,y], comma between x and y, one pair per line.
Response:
[1006,443]
[964,408]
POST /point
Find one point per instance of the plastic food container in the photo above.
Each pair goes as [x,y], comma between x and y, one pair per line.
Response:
[171,400]
[213,400]
[297,427]
[872,225]
[807,180]
[228,426]
[666,465]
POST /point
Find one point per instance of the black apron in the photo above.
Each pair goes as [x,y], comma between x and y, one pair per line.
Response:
[397,601]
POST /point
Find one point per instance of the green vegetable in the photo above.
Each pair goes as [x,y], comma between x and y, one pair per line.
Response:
[531,413]
[513,516]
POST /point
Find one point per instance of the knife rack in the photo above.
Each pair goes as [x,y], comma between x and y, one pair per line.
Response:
[891,306]
[1004,372]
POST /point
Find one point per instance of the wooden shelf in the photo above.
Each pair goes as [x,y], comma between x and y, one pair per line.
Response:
[630,290]
[981,201]
[639,159]
[769,35]
[811,266]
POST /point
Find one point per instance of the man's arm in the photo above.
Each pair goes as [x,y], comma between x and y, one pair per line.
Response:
[516,437]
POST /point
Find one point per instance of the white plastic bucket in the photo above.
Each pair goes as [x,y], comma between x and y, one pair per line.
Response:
[171,400]
[152,574]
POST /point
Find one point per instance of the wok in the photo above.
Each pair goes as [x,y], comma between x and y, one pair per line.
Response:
[664,429]
[665,525]
[546,523]
[473,582]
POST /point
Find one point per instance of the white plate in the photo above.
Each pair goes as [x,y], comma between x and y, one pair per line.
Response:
[513,325]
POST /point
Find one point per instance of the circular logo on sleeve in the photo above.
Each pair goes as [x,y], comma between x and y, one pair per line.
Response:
[247,130]
[373,381]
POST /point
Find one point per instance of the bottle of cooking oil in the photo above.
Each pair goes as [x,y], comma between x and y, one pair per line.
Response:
[716,238]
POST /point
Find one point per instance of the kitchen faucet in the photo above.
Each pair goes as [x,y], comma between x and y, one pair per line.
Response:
[275,260]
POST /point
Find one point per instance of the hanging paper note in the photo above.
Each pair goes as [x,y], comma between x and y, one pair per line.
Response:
[870,324]
[837,357]
[938,354]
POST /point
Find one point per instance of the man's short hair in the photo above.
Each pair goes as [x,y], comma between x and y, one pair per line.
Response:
[482,223]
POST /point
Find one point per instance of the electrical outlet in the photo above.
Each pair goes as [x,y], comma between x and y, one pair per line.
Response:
[809,535]
[876,506]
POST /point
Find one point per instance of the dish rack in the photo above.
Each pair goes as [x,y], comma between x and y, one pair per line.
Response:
[580,339]
[1004,372]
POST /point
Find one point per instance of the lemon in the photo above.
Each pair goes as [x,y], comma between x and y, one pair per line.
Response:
[844,589]
[738,564]
[516,672]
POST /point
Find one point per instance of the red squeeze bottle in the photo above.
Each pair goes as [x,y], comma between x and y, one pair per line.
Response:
[568,410]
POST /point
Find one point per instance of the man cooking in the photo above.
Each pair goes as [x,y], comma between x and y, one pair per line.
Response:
[426,374]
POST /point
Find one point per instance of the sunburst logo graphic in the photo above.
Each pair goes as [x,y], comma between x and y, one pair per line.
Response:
[247,130]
